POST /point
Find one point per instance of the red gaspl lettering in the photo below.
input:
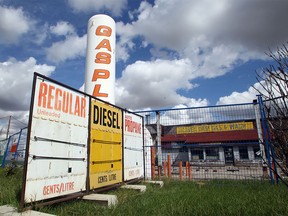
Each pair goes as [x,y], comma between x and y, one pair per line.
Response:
[102,58]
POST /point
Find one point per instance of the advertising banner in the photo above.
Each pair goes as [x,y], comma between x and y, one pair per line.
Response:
[105,145]
[205,128]
[133,147]
[56,153]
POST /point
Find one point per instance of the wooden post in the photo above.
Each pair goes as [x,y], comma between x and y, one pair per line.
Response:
[190,172]
[187,168]
[8,128]
[274,168]
[165,168]
[152,163]
[159,171]
[169,166]
[180,170]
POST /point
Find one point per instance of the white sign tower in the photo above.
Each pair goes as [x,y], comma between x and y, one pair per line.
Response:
[100,58]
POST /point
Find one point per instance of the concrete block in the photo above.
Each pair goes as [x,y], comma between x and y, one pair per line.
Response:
[7,210]
[142,188]
[104,199]
[160,183]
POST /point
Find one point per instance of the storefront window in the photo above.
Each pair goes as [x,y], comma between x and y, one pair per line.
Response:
[197,154]
[243,152]
[212,154]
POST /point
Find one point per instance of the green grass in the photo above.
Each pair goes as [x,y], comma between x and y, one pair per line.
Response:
[10,186]
[175,198]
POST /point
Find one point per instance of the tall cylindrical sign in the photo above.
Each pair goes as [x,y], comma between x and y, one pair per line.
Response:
[100,58]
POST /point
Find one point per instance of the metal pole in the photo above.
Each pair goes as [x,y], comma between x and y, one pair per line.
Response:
[259,131]
[267,139]
[158,139]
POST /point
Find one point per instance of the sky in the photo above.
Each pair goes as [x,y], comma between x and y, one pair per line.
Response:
[169,53]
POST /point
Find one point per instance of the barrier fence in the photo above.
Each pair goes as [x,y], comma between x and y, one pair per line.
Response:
[204,143]
[13,149]
[217,142]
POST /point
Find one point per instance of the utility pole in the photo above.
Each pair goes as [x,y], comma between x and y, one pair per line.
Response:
[9,122]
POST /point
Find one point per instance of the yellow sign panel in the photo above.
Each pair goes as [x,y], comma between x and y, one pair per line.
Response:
[105,145]
[215,127]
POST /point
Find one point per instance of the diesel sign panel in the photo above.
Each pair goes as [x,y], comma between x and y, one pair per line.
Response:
[105,145]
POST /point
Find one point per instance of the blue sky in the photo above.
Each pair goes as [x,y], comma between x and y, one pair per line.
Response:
[170,53]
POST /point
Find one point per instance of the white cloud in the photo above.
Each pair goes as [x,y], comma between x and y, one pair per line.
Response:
[62,28]
[155,84]
[16,82]
[70,48]
[13,24]
[125,42]
[115,7]
[242,97]
[251,94]
[174,24]
[213,36]
[216,38]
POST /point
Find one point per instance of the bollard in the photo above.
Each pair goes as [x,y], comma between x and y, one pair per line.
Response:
[180,170]
[169,167]
[152,163]
[165,168]
[159,171]
[190,172]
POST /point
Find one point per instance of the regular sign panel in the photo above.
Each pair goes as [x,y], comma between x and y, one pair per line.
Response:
[56,154]
[105,145]
[133,147]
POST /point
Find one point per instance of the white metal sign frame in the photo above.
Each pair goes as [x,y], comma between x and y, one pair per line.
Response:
[56,154]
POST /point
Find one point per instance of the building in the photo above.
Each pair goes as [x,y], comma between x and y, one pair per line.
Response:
[226,143]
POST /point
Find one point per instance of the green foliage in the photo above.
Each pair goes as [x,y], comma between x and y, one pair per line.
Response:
[175,198]
[11,168]
[10,186]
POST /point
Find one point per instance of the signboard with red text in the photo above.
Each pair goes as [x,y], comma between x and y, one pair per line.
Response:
[133,146]
[77,143]
[56,153]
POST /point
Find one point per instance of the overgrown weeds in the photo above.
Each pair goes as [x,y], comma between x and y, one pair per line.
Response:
[175,198]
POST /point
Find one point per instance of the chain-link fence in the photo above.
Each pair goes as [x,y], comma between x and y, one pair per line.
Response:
[13,149]
[216,142]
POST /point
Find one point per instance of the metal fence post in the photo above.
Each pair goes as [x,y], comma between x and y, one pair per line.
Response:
[19,137]
[158,139]
[259,131]
[267,140]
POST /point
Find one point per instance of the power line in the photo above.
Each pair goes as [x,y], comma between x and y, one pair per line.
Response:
[19,121]
[4,117]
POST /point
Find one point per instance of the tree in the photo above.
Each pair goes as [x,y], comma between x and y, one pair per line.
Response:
[274,90]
